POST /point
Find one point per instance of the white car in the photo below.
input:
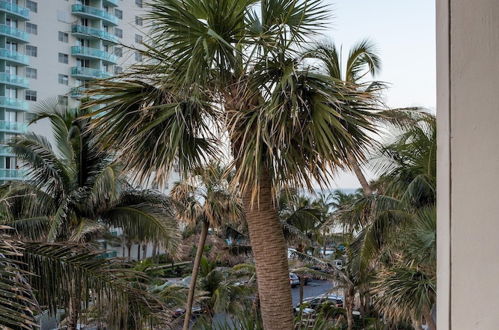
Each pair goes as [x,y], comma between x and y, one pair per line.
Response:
[294,280]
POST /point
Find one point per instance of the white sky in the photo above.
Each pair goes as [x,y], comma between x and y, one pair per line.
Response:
[404,33]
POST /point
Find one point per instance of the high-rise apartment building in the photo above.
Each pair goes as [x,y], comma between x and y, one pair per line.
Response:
[51,49]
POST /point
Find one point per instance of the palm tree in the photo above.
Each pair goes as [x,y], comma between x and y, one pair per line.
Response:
[39,276]
[77,192]
[361,63]
[221,70]
[206,198]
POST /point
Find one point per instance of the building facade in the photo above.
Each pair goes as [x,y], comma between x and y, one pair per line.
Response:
[51,49]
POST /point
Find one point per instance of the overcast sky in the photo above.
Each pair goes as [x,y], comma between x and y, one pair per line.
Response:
[404,32]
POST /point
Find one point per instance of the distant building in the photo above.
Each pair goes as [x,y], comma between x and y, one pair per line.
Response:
[51,49]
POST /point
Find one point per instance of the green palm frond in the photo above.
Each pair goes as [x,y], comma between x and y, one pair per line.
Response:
[404,294]
[17,302]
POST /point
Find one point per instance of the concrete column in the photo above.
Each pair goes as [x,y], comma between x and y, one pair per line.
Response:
[468,164]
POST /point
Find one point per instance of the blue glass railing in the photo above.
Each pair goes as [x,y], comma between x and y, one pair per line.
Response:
[95,12]
[14,9]
[94,53]
[7,102]
[10,55]
[111,2]
[5,151]
[14,33]
[13,126]
[8,174]
[80,29]
[89,73]
[10,79]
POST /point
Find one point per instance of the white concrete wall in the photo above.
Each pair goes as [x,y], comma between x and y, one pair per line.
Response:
[468,178]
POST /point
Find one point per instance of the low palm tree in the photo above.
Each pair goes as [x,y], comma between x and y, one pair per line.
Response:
[219,71]
[205,198]
[78,192]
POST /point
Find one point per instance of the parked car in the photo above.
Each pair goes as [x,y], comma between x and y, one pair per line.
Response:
[196,311]
[294,280]
[315,302]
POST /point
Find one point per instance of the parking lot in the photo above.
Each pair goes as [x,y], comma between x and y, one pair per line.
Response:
[313,289]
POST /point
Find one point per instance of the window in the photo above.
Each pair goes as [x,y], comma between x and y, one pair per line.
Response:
[63,79]
[31,73]
[118,70]
[118,32]
[138,56]
[63,58]
[62,100]
[118,51]
[118,13]
[31,5]
[138,20]
[31,28]
[30,95]
[64,37]
[138,38]
[138,3]
[31,51]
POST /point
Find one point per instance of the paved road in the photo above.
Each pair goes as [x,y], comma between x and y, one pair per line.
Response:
[313,289]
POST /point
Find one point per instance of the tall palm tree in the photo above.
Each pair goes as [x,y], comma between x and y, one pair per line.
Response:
[361,63]
[205,198]
[78,192]
[221,70]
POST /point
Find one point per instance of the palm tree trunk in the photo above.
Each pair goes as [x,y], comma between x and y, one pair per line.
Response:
[74,306]
[354,164]
[138,251]
[430,323]
[349,297]
[144,251]
[129,248]
[195,271]
[269,250]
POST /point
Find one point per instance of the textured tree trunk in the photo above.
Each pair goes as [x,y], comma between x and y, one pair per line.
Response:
[74,306]
[360,176]
[138,251]
[429,320]
[195,271]
[349,297]
[154,249]
[144,251]
[129,247]
[269,250]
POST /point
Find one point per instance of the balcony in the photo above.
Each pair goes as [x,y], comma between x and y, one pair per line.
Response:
[13,127]
[95,13]
[13,56]
[93,53]
[10,79]
[85,31]
[88,73]
[13,33]
[112,3]
[10,103]
[14,10]
[10,174]
[6,151]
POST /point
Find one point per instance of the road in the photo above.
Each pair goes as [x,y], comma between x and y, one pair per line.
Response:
[313,289]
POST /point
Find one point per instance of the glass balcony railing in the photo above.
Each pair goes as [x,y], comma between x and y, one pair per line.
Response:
[12,56]
[13,126]
[5,151]
[87,11]
[12,174]
[89,73]
[111,2]
[13,33]
[14,9]
[93,53]
[10,103]
[10,79]
[93,32]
